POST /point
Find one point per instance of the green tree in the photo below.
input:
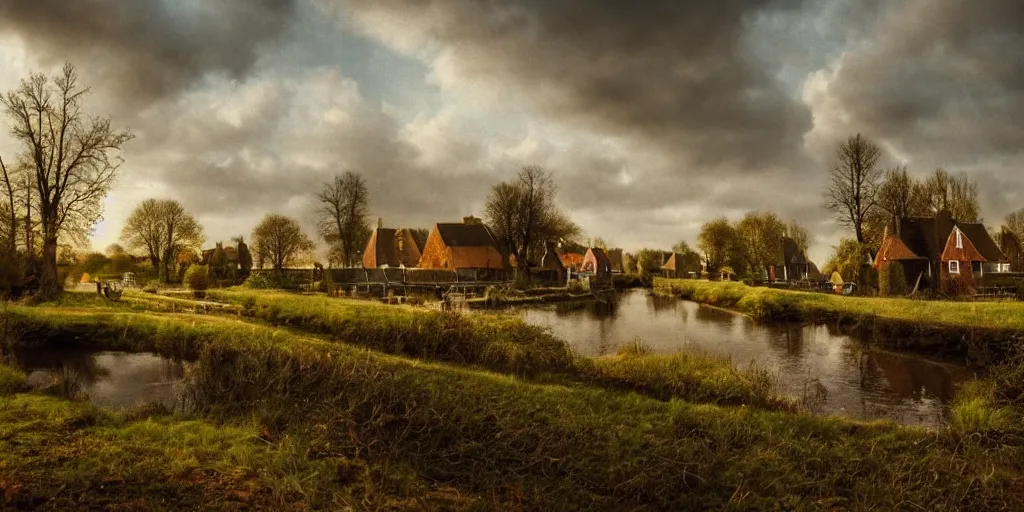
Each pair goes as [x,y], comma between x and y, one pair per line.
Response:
[72,157]
[649,261]
[761,235]
[691,259]
[847,258]
[719,244]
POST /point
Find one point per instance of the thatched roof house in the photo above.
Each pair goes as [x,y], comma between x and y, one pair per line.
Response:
[391,247]
[466,245]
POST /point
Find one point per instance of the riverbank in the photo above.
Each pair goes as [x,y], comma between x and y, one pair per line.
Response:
[392,431]
[983,331]
[540,297]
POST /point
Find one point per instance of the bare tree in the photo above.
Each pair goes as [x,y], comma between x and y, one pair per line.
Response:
[344,224]
[279,240]
[799,235]
[1014,222]
[181,231]
[144,229]
[953,193]
[73,158]
[900,196]
[163,229]
[854,182]
[524,216]
[11,210]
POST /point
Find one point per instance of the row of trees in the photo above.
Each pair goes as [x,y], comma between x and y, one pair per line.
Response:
[750,246]
[866,197]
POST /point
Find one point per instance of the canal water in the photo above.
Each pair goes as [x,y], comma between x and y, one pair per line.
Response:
[116,380]
[827,370]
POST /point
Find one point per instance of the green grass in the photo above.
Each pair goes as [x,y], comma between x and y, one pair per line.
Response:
[12,380]
[500,343]
[61,455]
[505,343]
[694,376]
[499,442]
[776,304]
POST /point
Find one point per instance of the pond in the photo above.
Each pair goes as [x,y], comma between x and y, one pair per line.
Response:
[830,371]
[116,380]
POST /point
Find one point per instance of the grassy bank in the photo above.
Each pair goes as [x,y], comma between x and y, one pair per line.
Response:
[769,303]
[498,442]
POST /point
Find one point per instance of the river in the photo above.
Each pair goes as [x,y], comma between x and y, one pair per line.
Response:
[856,383]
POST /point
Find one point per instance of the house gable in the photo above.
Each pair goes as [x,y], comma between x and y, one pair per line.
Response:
[966,251]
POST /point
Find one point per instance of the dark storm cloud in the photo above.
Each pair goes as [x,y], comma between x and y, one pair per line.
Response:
[943,82]
[148,49]
[678,74]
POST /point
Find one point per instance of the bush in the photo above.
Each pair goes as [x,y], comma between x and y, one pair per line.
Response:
[198,277]
[264,281]
[892,280]
[12,380]
[152,286]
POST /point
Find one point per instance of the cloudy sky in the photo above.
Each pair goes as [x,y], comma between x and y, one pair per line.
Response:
[653,116]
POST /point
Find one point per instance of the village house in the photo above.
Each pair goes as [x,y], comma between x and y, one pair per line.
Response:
[794,267]
[596,262]
[392,248]
[459,246]
[949,255]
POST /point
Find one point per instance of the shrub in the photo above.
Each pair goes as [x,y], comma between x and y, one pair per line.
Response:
[264,281]
[12,380]
[152,286]
[198,277]
[892,280]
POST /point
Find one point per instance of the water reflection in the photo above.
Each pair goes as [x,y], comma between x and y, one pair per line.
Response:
[110,379]
[810,360]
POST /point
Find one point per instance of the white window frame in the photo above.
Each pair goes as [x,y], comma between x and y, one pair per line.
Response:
[954,267]
[959,240]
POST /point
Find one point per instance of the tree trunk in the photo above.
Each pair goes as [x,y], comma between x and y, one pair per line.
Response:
[49,281]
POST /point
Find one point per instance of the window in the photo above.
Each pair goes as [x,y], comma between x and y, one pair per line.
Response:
[959,241]
[954,267]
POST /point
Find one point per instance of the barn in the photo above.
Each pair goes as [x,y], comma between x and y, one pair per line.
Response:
[459,246]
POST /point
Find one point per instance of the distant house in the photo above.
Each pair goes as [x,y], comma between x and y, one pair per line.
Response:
[596,261]
[391,247]
[466,245]
[551,262]
[674,267]
[615,258]
[230,253]
[950,255]
[795,266]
